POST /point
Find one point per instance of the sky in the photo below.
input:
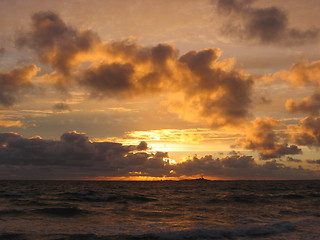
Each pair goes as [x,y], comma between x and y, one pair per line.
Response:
[159,90]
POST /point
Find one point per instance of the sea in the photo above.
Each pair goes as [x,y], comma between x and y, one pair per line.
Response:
[159,210]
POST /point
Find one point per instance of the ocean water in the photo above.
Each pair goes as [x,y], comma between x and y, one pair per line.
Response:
[169,210]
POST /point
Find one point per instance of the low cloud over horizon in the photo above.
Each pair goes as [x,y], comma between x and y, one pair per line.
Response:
[75,156]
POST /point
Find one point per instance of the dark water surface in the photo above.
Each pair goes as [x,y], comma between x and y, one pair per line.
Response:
[80,210]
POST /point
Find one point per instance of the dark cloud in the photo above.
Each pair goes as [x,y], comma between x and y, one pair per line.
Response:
[230,6]
[264,100]
[243,167]
[264,25]
[5,138]
[110,80]
[55,43]
[14,83]
[142,146]
[209,89]
[313,161]
[128,69]
[61,107]
[75,150]
[64,47]
[221,96]
[2,51]
[262,137]
[131,70]
[307,133]
[290,159]
[309,105]
[75,156]
[158,55]
[237,161]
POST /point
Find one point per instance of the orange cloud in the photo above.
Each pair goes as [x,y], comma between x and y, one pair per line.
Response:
[213,93]
[197,85]
[310,105]
[10,123]
[307,133]
[56,43]
[262,137]
[301,73]
[15,83]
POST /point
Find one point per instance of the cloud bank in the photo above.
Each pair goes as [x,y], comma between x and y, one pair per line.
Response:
[74,155]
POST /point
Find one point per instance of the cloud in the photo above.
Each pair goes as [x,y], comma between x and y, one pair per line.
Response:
[240,167]
[57,44]
[75,156]
[262,137]
[214,92]
[14,83]
[237,161]
[5,138]
[143,146]
[75,150]
[61,107]
[310,105]
[197,85]
[290,159]
[9,123]
[207,88]
[131,70]
[313,161]
[263,25]
[2,51]
[307,133]
[109,79]
[302,73]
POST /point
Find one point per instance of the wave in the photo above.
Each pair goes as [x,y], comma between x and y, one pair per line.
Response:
[264,199]
[11,212]
[61,211]
[26,202]
[13,236]
[88,195]
[139,198]
[195,234]
[299,213]
[11,194]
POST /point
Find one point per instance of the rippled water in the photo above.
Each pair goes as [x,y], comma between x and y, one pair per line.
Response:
[159,210]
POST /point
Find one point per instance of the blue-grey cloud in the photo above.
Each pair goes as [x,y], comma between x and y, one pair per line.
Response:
[61,107]
[75,156]
[265,25]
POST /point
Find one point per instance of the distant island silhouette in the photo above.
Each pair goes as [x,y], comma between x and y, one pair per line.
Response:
[200,179]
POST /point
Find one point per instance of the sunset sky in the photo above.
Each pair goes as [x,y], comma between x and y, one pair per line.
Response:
[159,89]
